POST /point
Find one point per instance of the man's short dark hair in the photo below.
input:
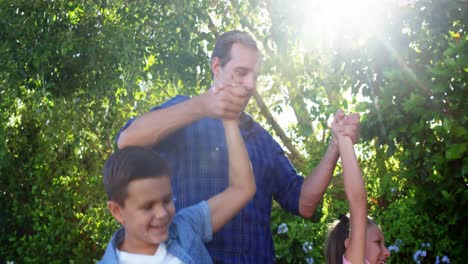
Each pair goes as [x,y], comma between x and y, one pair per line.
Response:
[128,164]
[222,49]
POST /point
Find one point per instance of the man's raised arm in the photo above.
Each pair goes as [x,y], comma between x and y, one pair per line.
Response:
[317,181]
[152,127]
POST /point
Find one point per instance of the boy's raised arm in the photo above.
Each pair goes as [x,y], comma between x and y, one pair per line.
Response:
[225,205]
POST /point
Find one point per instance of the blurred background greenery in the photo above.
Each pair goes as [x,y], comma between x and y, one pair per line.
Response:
[72,73]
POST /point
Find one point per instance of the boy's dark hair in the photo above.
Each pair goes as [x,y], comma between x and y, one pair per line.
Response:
[337,234]
[223,45]
[128,164]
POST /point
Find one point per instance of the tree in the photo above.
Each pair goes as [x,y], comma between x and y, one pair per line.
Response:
[72,72]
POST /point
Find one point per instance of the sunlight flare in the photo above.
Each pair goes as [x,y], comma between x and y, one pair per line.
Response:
[328,22]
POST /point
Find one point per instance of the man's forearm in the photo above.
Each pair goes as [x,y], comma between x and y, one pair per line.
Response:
[152,127]
[317,182]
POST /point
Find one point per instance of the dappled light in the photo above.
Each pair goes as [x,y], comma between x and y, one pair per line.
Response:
[73,72]
[327,24]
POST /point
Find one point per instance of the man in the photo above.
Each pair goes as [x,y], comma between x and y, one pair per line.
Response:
[188,133]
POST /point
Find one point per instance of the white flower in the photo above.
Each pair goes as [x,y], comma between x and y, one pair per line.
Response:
[307,246]
[310,260]
[445,259]
[398,242]
[393,248]
[416,255]
[283,228]
[426,245]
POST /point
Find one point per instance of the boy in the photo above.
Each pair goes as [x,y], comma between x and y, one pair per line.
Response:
[140,198]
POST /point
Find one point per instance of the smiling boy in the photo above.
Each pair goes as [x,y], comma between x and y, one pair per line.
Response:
[140,198]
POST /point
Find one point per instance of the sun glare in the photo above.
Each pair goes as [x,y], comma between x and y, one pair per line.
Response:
[327,22]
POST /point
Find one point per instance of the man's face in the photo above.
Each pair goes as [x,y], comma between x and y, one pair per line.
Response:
[147,214]
[241,70]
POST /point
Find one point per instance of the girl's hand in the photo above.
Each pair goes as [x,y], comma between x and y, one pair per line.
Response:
[337,126]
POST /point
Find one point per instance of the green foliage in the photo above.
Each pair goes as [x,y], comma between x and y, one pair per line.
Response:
[303,238]
[414,147]
[72,73]
[421,118]
[53,182]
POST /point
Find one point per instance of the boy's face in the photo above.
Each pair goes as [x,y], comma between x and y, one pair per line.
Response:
[146,215]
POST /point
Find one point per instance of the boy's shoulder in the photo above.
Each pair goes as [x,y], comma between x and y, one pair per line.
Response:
[194,220]
[190,228]
[110,255]
[197,214]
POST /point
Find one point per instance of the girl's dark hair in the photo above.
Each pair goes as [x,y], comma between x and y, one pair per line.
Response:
[335,242]
[128,164]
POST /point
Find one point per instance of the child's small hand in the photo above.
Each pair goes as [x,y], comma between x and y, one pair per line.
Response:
[351,126]
[337,130]
[337,126]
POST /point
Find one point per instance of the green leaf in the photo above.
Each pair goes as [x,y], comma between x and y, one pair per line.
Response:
[455,151]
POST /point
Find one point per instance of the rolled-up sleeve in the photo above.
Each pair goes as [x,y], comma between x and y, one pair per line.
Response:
[199,218]
[171,102]
[287,182]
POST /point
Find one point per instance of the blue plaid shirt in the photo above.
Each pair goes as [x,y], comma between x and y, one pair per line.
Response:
[197,156]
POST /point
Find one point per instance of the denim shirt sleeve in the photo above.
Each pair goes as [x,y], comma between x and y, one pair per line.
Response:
[170,102]
[288,183]
[110,255]
[199,218]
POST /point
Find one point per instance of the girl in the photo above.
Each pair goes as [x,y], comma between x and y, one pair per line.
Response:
[346,242]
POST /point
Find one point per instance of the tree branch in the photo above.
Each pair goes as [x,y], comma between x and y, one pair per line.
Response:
[296,98]
[212,27]
[295,155]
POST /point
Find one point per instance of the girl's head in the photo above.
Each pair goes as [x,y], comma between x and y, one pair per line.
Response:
[336,243]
